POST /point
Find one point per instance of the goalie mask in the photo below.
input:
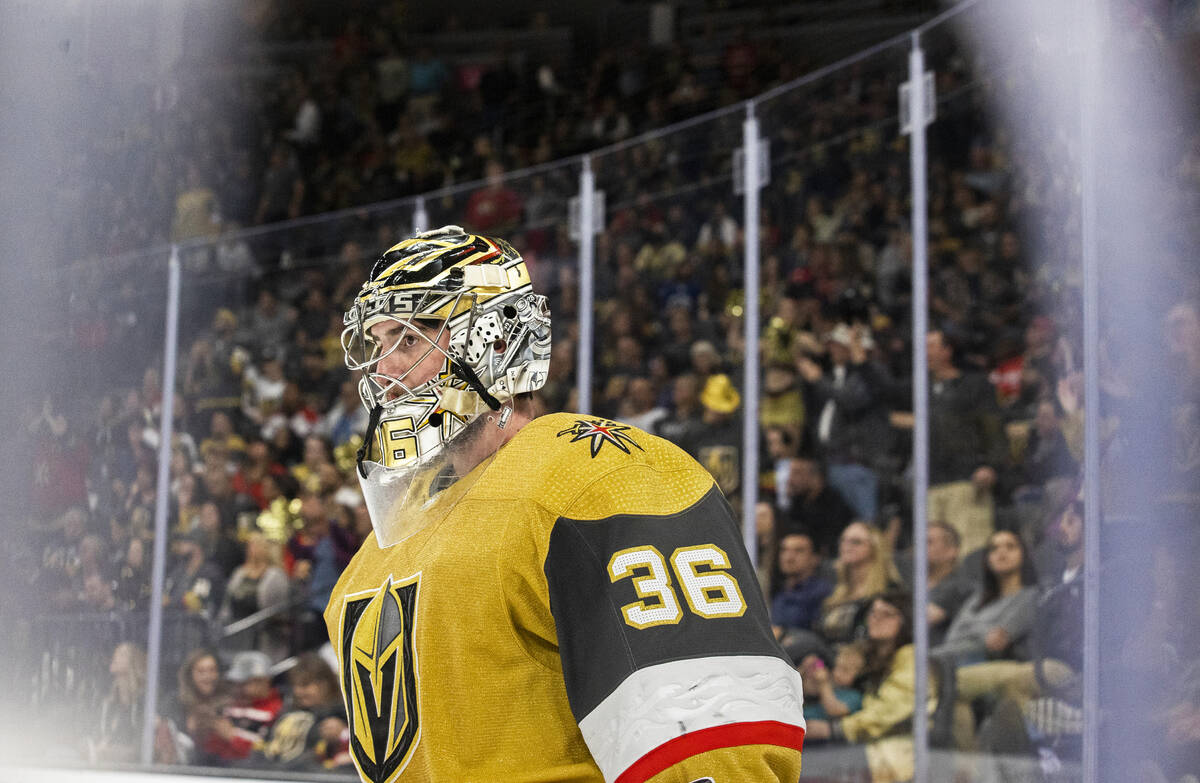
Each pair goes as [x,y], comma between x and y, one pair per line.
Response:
[446,328]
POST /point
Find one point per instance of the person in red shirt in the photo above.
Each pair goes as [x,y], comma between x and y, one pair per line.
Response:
[259,463]
[258,702]
[245,721]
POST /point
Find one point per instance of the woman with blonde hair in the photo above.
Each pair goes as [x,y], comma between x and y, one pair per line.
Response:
[120,721]
[864,569]
[258,583]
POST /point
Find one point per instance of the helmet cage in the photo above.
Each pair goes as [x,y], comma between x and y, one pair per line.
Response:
[363,354]
[476,289]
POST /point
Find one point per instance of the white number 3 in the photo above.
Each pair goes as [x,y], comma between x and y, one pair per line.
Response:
[711,592]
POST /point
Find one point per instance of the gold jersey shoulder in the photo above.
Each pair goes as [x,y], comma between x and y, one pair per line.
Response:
[446,644]
[589,467]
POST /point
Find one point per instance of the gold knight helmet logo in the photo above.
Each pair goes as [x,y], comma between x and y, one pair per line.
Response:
[379,678]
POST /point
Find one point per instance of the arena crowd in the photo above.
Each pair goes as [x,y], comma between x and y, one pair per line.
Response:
[265,510]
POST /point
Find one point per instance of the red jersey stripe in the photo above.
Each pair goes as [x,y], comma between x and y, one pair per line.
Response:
[767,732]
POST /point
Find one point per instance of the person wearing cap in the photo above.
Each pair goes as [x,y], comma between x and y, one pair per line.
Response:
[849,425]
[717,445]
[256,704]
[315,556]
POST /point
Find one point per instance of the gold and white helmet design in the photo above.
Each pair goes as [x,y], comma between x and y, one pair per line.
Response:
[477,289]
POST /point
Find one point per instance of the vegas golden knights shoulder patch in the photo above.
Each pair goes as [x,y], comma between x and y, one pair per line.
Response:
[379,678]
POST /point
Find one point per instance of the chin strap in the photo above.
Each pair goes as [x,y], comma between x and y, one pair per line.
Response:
[372,424]
[468,375]
[464,402]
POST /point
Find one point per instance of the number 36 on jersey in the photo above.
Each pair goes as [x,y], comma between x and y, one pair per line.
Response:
[700,573]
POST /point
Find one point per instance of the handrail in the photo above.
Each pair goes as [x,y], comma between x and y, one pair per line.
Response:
[158,773]
[262,615]
[949,13]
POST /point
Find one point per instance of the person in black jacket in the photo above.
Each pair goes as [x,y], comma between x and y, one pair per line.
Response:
[814,506]
[966,445]
[195,584]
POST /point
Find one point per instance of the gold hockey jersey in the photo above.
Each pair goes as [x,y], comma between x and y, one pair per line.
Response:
[584,611]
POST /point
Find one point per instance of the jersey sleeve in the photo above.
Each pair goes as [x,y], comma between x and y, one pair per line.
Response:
[670,665]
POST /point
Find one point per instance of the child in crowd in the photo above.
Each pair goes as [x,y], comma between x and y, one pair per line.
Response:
[832,693]
[313,734]
[257,702]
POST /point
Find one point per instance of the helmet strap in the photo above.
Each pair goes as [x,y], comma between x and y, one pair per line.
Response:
[372,424]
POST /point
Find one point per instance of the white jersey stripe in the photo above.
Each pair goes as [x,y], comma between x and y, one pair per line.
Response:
[659,703]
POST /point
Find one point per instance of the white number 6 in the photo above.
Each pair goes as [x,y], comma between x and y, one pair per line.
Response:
[711,593]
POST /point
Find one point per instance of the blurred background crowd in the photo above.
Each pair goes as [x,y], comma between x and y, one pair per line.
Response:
[335,110]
